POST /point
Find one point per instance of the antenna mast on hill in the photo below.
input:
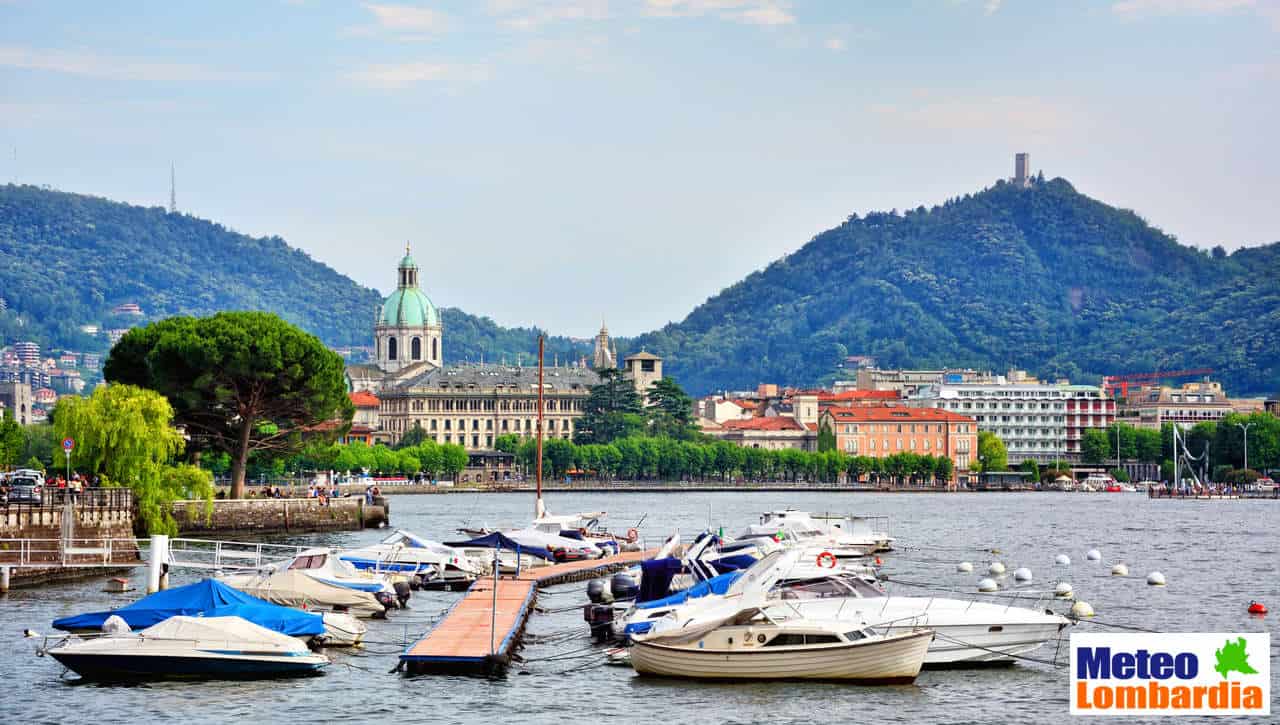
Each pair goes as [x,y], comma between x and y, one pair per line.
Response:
[173,191]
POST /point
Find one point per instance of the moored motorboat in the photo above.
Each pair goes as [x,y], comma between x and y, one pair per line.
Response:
[752,645]
[436,565]
[292,588]
[342,630]
[199,647]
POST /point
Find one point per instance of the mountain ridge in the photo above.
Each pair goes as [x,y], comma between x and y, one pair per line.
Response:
[1042,278]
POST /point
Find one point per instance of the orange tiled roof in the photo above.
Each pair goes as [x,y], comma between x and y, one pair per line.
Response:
[859,395]
[364,399]
[888,413]
[779,423]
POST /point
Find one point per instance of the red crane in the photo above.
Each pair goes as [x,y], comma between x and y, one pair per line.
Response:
[1112,383]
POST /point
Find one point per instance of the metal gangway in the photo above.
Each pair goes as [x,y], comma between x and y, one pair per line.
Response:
[213,555]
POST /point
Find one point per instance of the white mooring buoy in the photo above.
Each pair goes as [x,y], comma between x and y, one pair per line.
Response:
[1120,570]
[1081,610]
[1155,579]
[996,569]
[1022,574]
[964,567]
[1063,590]
[1062,560]
[987,585]
[1093,555]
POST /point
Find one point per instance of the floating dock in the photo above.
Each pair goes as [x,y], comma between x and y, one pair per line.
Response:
[480,632]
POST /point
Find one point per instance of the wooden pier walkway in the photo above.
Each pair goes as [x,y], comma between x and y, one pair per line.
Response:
[474,638]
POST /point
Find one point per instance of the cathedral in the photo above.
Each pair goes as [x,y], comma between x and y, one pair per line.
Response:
[468,404]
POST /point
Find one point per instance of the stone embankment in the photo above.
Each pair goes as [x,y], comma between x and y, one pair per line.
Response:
[67,536]
[279,515]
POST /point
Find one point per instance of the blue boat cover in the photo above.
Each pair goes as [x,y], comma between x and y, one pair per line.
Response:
[715,585]
[733,563]
[497,540]
[656,576]
[207,598]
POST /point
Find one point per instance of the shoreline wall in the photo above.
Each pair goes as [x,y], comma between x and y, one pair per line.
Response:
[279,515]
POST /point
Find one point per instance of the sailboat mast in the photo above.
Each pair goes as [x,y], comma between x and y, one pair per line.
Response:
[538,505]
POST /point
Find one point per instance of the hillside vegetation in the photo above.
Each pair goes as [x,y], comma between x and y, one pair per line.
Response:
[1042,278]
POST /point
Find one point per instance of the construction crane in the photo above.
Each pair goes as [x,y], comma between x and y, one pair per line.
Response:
[1112,383]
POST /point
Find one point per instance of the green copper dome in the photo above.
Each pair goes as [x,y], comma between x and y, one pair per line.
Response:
[408,307]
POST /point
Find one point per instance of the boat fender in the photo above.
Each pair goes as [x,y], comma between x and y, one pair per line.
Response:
[387,600]
[827,560]
[632,535]
[1257,608]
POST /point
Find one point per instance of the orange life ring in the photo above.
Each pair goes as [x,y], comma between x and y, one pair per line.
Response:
[582,530]
[827,556]
[632,534]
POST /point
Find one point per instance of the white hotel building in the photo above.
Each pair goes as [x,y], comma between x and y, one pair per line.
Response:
[1036,421]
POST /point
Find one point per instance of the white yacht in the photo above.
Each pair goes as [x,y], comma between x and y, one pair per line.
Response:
[216,647]
[407,553]
[843,540]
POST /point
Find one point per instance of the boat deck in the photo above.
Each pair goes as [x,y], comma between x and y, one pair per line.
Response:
[476,638]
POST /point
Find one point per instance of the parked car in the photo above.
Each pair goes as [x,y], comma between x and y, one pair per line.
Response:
[24,489]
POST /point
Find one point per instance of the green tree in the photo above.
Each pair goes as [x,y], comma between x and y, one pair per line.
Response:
[1032,468]
[671,410]
[991,452]
[612,410]
[411,437]
[1093,445]
[507,442]
[12,441]
[240,382]
[826,437]
[453,458]
[125,434]
[559,454]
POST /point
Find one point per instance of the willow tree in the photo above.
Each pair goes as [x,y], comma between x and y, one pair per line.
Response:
[125,435]
[239,382]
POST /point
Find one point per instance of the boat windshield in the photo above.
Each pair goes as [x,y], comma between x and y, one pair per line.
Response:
[308,561]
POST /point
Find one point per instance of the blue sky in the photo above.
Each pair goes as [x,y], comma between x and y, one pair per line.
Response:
[556,162]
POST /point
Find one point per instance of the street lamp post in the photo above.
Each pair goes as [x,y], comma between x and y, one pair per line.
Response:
[1244,427]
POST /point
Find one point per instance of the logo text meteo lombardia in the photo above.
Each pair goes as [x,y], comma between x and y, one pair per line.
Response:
[1171,674]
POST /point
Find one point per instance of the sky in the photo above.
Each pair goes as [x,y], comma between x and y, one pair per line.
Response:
[556,163]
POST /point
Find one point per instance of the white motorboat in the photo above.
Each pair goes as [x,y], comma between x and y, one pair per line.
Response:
[342,630]
[406,553]
[968,632]
[751,644]
[214,647]
[324,565]
[293,588]
[802,527]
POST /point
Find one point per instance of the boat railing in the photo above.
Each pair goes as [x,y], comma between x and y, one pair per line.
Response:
[228,555]
[66,638]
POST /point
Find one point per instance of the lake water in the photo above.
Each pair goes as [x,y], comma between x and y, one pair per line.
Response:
[1217,555]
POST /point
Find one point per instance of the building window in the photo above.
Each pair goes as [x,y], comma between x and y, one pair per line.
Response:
[435,349]
[391,348]
[415,348]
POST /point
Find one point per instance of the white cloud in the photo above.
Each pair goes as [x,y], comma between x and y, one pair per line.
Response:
[834,44]
[406,22]
[751,12]
[533,14]
[93,65]
[991,6]
[400,75]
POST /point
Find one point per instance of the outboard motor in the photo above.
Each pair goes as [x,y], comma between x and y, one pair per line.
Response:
[387,600]
[599,618]
[624,586]
[402,593]
[595,590]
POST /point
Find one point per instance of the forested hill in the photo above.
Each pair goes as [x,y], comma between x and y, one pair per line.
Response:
[1042,278]
[67,259]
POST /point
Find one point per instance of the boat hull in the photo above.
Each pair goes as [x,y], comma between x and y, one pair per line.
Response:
[895,660]
[134,667]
